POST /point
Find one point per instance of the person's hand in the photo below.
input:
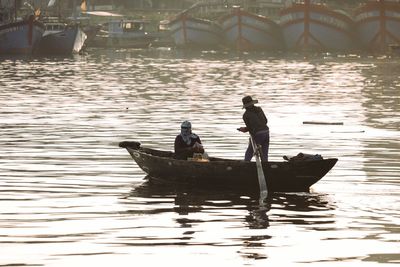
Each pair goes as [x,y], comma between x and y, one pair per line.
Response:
[197,147]
[242,129]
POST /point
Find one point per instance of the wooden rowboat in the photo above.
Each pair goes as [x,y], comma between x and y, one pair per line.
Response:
[285,176]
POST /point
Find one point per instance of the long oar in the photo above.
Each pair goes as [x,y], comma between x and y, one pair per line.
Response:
[260,172]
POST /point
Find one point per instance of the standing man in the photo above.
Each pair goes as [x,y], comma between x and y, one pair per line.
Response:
[256,124]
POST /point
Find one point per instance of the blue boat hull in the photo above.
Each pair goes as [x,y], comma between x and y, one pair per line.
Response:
[192,32]
[246,31]
[69,41]
[20,38]
[315,27]
[378,25]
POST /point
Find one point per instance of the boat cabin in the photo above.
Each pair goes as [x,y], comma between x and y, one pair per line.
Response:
[127,27]
[127,33]
[53,25]
[56,27]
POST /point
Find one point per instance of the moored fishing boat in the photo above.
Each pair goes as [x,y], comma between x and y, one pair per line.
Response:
[308,26]
[61,38]
[378,24]
[187,31]
[247,31]
[20,37]
[296,176]
[124,33]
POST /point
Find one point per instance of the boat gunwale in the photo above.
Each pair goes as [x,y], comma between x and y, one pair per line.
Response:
[296,8]
[376,6]
[376,18]
[169,156]
[22,23]
[289,23]
[269,32]
[244,13]
[181,18]
[283,176]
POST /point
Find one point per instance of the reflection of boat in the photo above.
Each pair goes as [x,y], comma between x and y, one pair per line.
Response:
[20,37]
[394,49]
[195,32]
[188,196]
[378,24]
[61,38]
[280,176]
[189,199]
[124,33]
[307,26]
[247,31]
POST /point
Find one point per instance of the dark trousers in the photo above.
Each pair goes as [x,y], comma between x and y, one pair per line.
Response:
[261,138]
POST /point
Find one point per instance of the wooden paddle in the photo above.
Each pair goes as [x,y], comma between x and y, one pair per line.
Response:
[260,172]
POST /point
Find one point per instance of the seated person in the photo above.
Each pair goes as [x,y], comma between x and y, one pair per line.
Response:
[187,143]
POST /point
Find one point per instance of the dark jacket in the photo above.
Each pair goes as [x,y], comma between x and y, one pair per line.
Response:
[255,120]
[183,150]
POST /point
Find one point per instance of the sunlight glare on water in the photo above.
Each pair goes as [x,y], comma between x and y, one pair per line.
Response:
[70,196]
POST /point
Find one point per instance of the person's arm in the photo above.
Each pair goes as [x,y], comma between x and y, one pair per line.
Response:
[263,115]
[244,129]
[246,122]
[198,147]
[254,121]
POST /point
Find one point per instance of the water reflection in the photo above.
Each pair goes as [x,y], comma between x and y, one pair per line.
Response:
[70,195]
[295,208]
[381,91]
[381,101]
[230,210]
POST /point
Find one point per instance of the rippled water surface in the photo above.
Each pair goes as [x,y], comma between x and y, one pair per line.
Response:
[69,196]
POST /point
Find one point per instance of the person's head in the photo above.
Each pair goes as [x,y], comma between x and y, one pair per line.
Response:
[248,101]
[186,128]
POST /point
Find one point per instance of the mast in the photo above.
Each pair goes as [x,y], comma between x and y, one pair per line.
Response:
[382,24]
[74,9]
[306,23]
[15,10]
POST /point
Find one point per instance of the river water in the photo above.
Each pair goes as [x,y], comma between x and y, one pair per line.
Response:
[69,196]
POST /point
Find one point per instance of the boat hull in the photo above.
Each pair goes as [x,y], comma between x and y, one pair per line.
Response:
[378,25]
[192,32]
[69,41]
[129,42]
[21,38]
[280,176]
[142,41]
[246,31]
[308,26]
[91,31]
